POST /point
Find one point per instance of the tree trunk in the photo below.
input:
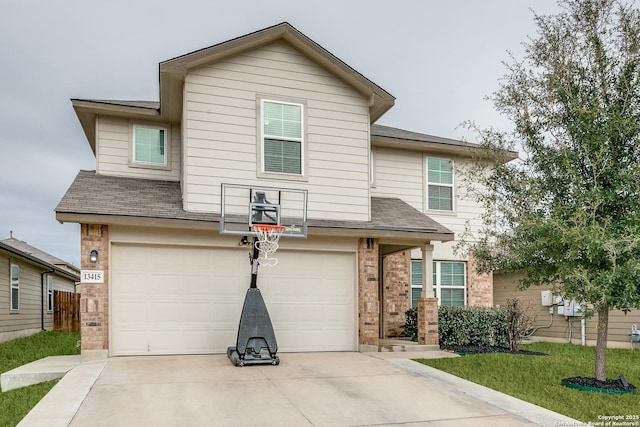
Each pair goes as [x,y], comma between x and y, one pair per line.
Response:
[601,343]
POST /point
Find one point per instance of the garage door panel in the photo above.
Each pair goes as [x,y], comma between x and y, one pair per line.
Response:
[162,284]
[181,300]
[227,313]
[130,311]
[195,285]
[130,342]
[197,312]
[137,284]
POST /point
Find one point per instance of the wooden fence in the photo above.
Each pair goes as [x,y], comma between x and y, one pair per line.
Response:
[66,311]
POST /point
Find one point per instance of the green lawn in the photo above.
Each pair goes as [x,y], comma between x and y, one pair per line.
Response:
[536,379]
[15,404]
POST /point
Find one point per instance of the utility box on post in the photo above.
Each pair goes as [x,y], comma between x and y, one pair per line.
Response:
[572,308]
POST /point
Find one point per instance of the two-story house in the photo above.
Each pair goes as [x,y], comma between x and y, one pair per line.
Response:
[381,201]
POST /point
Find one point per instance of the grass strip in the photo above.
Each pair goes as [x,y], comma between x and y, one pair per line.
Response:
[15,404]
[536,379]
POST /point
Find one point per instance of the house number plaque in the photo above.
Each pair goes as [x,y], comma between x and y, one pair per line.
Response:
[92,276]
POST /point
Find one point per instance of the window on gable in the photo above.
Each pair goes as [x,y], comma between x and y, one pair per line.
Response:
[49,293]
[282,137]
[439,184]
[449,282]
[150,146]
[15,287]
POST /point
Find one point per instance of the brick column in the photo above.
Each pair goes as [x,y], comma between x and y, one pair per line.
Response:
[396,295]
[479,286]
[94,299]
[368,300]
[428,321]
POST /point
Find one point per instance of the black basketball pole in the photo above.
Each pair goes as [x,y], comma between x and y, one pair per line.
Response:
[254,264]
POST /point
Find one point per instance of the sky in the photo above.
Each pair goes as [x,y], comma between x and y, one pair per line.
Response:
[440,59]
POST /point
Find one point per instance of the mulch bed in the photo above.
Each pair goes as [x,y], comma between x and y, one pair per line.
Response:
[606,385]
[475,349]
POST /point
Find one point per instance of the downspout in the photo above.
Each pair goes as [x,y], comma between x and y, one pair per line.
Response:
[42,297]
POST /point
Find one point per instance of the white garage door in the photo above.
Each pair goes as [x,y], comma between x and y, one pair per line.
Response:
[185,300]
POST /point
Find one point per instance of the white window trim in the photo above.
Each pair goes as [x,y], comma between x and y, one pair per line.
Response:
[261,172]
[452,185]
[437,283]
[49,293]
[167,147]
[13,286]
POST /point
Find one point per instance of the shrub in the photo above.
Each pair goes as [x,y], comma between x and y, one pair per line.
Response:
[410,326]
[518,319]
[459,326]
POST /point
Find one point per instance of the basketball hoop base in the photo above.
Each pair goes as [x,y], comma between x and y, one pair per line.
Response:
[251,359]
[256,342]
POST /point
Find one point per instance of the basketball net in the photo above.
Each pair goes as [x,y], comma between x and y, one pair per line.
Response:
[267,236]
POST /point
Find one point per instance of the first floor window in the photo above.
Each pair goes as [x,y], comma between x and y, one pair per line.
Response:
[49,293]
[15,287]
[449,282]
[282,137]
[150,145]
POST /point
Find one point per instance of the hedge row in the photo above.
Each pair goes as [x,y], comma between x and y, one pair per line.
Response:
[472,326]
[465,326]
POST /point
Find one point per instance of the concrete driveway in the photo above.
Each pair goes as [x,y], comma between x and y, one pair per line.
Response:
[306,389]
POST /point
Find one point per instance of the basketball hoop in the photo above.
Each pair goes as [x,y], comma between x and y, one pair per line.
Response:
[267,236]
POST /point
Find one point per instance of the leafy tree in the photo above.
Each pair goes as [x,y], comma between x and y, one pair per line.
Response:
[567,213]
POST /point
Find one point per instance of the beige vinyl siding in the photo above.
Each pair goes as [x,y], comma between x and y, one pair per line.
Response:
[221,133]
[504,287]
[398,173]
[113,151]
[401,173]
[62,284]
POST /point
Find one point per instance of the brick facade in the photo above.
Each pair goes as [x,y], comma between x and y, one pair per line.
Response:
[428,332]
[396,292]
[94,300]
[479,286]
[368,301]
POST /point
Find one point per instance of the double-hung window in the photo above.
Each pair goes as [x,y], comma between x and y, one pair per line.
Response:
[449,282]
[150,146]
[49,293]
[439,184]
[282,137]
[449,279]
[15,287]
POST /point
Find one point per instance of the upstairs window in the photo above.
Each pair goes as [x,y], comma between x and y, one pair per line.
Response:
[15,287]
[282,137]
[439,184]
[150,147]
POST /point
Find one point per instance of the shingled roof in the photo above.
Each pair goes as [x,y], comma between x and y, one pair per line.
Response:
[116,197]
[42,258]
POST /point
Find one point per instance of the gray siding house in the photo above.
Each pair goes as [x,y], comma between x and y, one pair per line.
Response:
[28,277]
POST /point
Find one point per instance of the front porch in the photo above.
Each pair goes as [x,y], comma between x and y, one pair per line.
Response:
[381,308]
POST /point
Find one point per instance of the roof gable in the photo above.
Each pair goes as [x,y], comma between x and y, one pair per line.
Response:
[173,71]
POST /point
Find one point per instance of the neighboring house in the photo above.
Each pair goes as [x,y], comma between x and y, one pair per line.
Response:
[173,284]
[28,277]
[557,326]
